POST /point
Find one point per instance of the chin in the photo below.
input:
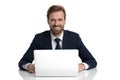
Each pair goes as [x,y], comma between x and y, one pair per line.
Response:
[57,32]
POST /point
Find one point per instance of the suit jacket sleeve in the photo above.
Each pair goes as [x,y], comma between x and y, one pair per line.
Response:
[28,56]
[85,55]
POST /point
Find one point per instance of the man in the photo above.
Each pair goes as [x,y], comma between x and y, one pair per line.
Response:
[57,36]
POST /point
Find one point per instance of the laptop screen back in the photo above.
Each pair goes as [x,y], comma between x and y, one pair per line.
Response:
[56,62]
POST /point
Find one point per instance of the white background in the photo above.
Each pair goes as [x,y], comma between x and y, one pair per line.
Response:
[97,22]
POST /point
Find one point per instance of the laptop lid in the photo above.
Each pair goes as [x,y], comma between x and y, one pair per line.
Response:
[56,62]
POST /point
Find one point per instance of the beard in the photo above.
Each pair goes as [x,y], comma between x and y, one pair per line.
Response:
[57,30]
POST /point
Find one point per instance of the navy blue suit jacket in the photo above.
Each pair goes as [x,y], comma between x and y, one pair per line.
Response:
[71,40]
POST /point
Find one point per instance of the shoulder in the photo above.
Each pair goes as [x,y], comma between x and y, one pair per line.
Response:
[43,34]
[71,36]
[70,33]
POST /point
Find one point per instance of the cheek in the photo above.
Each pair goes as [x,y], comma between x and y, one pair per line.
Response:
[63,23]
[51,23]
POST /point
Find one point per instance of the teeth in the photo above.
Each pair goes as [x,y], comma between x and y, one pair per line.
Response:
[56,28]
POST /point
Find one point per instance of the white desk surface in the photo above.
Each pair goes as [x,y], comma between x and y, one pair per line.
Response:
[93,74]
[84,75]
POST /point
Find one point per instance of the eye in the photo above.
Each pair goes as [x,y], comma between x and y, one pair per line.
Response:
[60,19]
[52,19]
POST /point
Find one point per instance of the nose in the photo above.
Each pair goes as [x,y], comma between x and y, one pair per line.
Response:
[56,23]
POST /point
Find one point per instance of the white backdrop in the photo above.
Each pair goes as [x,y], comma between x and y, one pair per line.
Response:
[97,22]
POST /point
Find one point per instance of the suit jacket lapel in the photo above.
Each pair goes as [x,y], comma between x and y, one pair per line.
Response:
[65,39]
[47,40]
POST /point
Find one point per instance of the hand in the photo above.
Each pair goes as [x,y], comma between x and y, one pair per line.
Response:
[31,68]
[81,67]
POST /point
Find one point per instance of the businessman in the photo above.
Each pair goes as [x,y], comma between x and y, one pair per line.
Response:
[57,38]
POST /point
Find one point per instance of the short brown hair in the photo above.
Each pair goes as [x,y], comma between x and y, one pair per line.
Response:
[55,8]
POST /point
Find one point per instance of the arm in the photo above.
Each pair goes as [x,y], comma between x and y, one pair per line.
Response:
[28,56]
[85,55]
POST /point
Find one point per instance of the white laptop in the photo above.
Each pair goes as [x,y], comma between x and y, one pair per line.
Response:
[56,62]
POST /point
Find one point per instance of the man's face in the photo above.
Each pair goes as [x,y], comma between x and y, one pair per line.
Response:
[56,22]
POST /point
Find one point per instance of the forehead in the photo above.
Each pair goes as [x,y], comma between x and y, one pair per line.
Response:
[57,14]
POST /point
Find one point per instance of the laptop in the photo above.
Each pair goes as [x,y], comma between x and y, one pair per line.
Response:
[56,62]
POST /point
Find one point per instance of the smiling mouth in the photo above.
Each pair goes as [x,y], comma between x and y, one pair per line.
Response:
[56,28]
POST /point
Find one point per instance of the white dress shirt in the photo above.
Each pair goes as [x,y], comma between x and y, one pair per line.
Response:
[53,40]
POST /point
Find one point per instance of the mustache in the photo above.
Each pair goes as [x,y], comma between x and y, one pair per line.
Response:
[56,25]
